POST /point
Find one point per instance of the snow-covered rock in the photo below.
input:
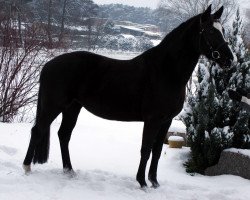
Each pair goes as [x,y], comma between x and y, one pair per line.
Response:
[232,161]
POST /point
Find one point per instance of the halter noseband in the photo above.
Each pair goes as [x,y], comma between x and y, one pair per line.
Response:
[214,52]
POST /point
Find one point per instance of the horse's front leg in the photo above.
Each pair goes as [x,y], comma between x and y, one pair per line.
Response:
[156,153]
[150,132]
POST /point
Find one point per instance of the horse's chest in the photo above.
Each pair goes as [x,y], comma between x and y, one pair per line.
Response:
[166,103]
[172,103]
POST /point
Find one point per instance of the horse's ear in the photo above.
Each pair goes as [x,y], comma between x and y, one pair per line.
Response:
[207,14]
[218,13]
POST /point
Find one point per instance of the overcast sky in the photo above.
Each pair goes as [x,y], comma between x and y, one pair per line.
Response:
[137,3]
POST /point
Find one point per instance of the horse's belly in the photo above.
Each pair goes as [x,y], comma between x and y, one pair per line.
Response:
[114,109]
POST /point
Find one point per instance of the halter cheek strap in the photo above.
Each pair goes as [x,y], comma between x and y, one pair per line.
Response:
[214,52]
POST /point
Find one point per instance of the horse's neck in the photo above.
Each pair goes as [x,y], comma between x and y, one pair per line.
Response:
[179,53]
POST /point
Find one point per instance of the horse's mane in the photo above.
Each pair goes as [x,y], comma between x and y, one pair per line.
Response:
[173,41]
[179,31]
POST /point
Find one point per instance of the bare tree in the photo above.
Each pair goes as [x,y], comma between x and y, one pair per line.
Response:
[15,9]
[44,12]
[184,9]
[61,35]
[49,22]
[74,11]
[102,27]
[19,68]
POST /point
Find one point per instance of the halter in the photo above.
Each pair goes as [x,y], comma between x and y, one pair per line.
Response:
[214,52]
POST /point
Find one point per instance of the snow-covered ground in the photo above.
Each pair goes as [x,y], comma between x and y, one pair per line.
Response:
[244,5]
[105,156]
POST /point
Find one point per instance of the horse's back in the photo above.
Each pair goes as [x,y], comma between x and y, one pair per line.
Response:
[109,88]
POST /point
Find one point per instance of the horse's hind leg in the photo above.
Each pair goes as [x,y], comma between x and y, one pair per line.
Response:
[69,118]
[38,149]
[30,153]
[156,153]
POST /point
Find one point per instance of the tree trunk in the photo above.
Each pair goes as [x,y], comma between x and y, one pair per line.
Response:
[20,25]
[61,35]
[49,25]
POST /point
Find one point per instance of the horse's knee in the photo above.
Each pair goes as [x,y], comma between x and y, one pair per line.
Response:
[156,151]
[145,152]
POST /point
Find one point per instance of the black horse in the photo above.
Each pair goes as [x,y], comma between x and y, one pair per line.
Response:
[148,88]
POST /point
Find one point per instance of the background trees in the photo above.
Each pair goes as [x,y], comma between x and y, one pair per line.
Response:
[21,58]
[184,9]
[60,16]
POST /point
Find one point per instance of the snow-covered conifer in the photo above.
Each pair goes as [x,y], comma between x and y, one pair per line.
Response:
[215,122]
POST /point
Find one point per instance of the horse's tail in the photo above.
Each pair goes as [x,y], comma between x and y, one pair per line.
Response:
[41,136]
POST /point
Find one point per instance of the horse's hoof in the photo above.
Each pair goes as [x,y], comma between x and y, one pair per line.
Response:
[67,171]
[155,185]
[142,182]
[27,169]
[144,188]
[70,172]
[154,182]
[143,185]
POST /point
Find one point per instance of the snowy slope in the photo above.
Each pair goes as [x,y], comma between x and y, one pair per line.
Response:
[244,6]
[244,3]
[105,155]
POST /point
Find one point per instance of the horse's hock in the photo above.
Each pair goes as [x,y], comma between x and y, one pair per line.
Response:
[232,161]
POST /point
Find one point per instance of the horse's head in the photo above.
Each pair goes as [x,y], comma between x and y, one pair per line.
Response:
[212,43]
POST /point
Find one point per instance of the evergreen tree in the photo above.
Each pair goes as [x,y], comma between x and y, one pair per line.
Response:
[214,122]
[240,79]
[205,137]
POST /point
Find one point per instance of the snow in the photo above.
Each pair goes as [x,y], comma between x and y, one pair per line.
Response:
[155,42]
[177,126]
[245,152]
[105,155]
[138,3]
[132,28]
[176,138]
[79,28]
[128,36]
[118,54]
[244,4]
